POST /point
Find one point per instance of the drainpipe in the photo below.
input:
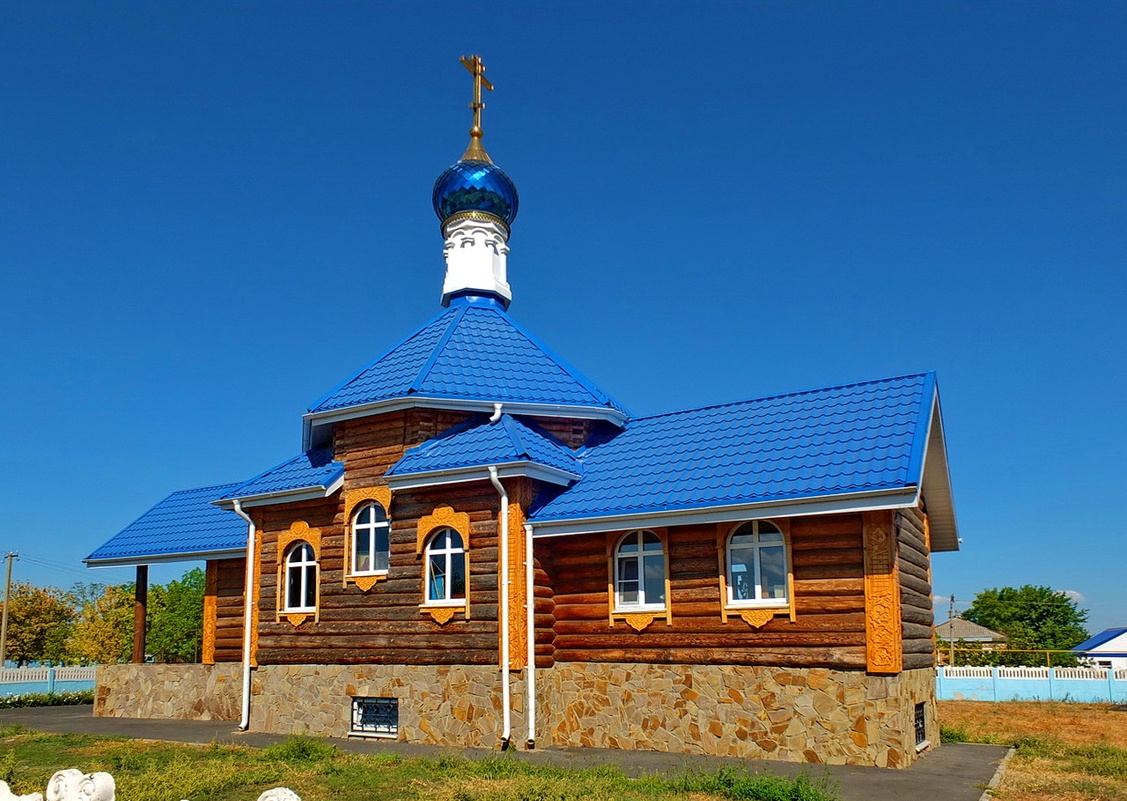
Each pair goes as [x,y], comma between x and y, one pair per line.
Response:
[248,615]
[530,617]
[506,703]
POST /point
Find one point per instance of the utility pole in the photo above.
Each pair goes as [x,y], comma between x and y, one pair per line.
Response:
[951,641]
[10,556]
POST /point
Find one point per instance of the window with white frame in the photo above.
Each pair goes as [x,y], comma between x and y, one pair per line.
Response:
[301,578]
[639,572]
[371,547]
[757,565]
[446,568]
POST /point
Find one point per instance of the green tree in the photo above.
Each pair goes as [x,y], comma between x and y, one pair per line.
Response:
[103,631]
[38,619]
[1032,617]
[175,622]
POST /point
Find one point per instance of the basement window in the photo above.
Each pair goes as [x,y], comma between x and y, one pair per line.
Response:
[375,717]
[921,728]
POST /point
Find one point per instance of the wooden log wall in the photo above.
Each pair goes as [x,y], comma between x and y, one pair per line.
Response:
[917,611]
[230,578]
[829,629]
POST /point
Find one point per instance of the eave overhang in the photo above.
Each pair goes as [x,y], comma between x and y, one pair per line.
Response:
[317,426]
[894,498]
[310,493]
[458,475]
[185,556]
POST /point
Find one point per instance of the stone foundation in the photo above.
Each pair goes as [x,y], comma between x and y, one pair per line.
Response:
[442,705]
[793,714]
[186,692]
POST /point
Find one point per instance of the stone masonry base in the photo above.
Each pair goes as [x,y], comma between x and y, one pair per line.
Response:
[794,714]
[185,692]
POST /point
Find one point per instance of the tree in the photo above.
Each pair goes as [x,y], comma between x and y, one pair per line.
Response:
[103,633]
[1034,618]
[38,621]
[175,624]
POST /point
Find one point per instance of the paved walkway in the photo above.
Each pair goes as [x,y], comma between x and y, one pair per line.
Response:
[955,772]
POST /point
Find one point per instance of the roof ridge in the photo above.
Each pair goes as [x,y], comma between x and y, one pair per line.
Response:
[443,341]
[779,395]
[209,487]
[373,362]
[512,428]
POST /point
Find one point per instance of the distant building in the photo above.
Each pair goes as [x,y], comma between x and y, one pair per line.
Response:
[958,629]
[1107,649]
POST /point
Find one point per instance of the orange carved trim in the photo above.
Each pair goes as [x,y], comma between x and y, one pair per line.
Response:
[296,618]
[723,533]
[353,499]
[883,637]
[518,590]
[254,594]
[639,621]
[758,617]
[442,614]
[440,517]
[299,530]
[613,541]
[210,612]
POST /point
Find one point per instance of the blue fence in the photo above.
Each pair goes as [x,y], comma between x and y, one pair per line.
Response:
[18,681]
[1085,685]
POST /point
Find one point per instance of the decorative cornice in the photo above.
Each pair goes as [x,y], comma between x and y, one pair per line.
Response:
[443,516]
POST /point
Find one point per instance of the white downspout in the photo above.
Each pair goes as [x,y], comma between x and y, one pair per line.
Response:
[248,615]
[506,703]
[530,617]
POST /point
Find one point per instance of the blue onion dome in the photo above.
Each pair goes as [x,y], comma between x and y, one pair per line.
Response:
[475,185]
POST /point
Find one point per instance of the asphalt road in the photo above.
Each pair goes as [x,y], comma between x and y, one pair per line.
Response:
[954,772]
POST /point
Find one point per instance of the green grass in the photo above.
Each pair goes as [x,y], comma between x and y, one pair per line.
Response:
[1094,759]
[319,771]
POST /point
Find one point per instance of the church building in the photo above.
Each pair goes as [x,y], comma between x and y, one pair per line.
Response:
[478,546]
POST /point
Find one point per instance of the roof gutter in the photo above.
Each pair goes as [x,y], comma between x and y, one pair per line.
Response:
[248,614]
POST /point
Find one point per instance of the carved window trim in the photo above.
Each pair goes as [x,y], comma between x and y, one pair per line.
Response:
[638,617]
[443,517]
[755,613]
[298,534]
[353,501]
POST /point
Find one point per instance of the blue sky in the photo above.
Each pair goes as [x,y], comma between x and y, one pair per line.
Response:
[211,213]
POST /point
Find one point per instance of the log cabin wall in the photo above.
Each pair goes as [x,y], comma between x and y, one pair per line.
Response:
[914,563]
[230,576]
[829,603]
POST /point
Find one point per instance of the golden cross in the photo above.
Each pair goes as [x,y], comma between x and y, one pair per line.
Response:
[477,68]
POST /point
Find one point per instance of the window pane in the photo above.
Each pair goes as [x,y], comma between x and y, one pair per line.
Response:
[453,539]
[628,593]
[363,551]
[309,598]
[629,545]
[293,588]
[457,577]
[628,569]
[770,537]
[437,589]
[650,541]
[376,513]
[365,516]
[743,573]
[741,538]
[655,579]
[382,554]
[773,572]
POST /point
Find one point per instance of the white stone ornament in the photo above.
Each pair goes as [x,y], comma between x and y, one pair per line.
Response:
[74,785]
[6,794]
[279,794]
[63,786]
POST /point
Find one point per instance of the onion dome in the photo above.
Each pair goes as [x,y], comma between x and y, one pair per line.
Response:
[475,185]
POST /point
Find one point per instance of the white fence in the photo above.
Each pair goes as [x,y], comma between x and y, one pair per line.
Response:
[37,674]
[1093,685]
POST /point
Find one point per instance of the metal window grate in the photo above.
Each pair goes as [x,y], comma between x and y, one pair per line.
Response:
[921,725]
[375,716]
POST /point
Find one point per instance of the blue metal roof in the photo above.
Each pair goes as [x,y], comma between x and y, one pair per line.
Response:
[840,440]
[479,443]
[185,524]
[1097,640]
[472,351]
[312,470]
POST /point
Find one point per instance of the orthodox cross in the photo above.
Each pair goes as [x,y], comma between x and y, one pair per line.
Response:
[477,68]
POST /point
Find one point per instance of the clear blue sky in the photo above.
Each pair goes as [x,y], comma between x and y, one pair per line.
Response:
[211,213]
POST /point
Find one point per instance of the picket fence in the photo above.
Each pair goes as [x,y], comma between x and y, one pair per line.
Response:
[18,681]
[1087,685]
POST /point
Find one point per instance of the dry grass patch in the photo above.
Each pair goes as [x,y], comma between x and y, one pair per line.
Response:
[1065,752]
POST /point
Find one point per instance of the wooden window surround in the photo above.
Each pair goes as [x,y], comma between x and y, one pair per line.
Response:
[755,613]
[299,533]
[441,518]
[641,616]
[353,500]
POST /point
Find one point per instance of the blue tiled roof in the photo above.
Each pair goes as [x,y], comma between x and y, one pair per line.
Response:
[310,470]
[184,523]
[1097,640]
[478,443]
[855,438]
[472,351]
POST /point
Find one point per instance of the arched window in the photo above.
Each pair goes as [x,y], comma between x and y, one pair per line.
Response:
[639,572]
[301,578]
[370,545]
[446,567]
[757,565]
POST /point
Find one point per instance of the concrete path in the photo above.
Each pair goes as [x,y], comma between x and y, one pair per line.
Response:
[955,772]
